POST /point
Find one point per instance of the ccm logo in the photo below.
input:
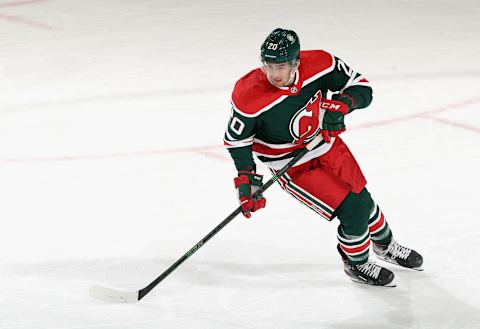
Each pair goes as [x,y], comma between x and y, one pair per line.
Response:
[330,106]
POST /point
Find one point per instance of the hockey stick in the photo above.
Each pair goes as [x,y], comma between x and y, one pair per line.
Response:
[112,295]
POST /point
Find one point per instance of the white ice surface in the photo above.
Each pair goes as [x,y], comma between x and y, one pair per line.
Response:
[111,165]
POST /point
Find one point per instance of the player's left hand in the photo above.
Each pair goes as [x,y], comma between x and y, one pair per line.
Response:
[332,114]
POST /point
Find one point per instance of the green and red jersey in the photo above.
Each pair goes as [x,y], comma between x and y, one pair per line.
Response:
[276,123]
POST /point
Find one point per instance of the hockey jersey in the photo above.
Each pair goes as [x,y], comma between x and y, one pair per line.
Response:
[276,123]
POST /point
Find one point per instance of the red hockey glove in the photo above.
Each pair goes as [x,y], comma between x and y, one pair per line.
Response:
[332,114]
[247,183]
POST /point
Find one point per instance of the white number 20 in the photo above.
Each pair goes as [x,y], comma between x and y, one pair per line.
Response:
[342,66]
[272,46]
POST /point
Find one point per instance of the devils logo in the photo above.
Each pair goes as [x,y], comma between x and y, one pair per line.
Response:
[304,125]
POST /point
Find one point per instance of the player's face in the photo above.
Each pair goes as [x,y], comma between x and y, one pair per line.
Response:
[280,74]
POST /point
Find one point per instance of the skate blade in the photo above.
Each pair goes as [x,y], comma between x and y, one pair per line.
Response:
[389,285]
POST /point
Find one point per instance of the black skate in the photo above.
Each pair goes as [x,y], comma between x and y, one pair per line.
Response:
[367,273]
[397,254]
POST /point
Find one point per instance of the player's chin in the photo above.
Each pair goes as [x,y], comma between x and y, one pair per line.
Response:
[278,84]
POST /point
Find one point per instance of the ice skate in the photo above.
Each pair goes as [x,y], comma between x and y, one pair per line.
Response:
[397,254]
[367,273]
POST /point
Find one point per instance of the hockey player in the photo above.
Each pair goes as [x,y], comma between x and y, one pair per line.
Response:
[276,110]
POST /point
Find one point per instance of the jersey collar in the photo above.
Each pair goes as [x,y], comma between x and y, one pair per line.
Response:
[295,88]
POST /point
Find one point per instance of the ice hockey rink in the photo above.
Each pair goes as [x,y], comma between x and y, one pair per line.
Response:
[112,165]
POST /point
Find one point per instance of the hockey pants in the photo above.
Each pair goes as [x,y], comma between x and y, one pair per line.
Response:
[333,185]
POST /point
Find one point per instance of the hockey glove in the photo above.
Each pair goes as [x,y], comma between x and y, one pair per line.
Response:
[247,183]
[332,114]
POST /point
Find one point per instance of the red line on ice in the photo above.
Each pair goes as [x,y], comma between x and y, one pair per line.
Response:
[209,150]
[24,21]
[423,114]
[453,123]
[20,20]
[20,3]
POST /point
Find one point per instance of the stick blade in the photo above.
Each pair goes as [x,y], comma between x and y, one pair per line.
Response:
[112,295]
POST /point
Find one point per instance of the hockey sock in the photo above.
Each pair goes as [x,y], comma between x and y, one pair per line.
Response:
[356,248]
[377,225]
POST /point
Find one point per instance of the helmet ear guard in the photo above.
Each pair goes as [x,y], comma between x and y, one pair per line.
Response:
[280,46]
[294,65]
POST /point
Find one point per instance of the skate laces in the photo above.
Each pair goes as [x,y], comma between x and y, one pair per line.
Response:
[369,268]
[398,251]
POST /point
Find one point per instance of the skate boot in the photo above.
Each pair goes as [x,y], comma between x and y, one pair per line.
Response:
[399,255]
[367,273]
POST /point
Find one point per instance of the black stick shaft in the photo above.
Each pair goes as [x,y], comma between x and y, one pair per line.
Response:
[227,220]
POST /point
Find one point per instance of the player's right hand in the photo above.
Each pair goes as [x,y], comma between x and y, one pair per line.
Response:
[247,183]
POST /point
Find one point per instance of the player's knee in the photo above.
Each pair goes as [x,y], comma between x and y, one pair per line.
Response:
[354,212]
